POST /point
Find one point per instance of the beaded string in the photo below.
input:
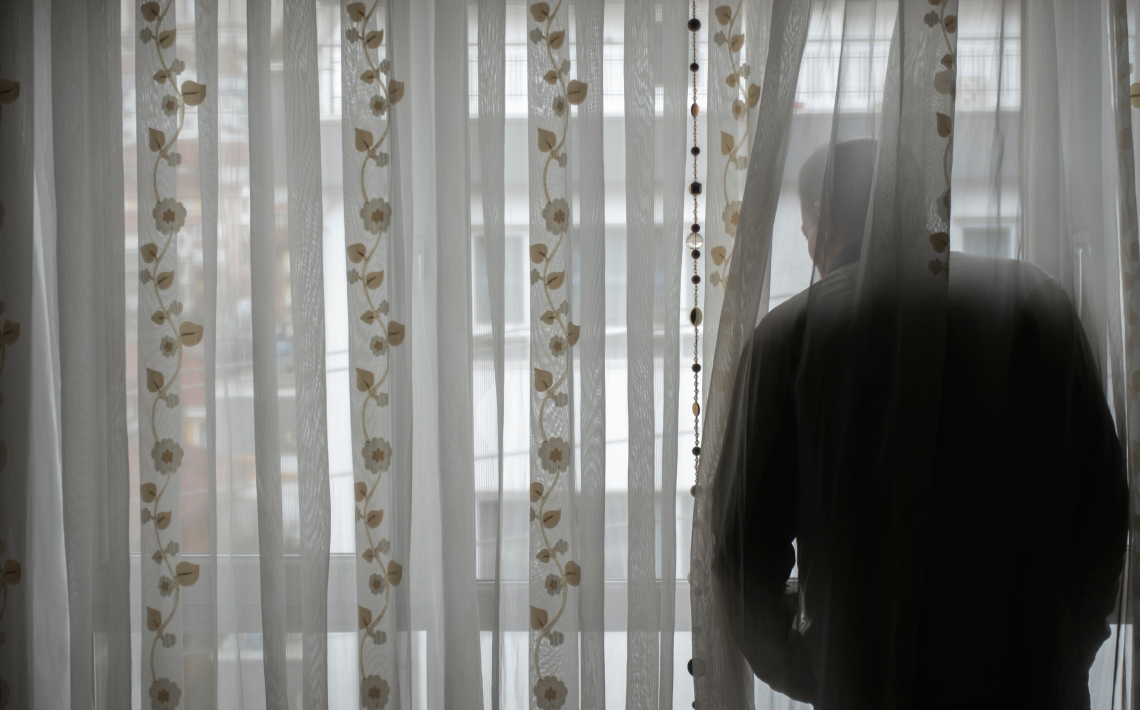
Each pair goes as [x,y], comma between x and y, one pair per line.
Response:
[695,241]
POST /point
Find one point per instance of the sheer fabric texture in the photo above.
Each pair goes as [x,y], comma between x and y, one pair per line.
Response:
[345,345]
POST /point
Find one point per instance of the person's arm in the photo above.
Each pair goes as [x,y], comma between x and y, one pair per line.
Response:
[756,493]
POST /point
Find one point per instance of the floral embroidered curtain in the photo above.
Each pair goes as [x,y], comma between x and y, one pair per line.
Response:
[342,342]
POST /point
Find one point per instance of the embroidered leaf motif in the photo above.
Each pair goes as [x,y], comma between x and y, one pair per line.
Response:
[551,518]
[363,140]
[538,618]
[753,95]
[9,91]
[555,280]
[723,14]
[150,12]
[186,573]
[538,253]
[546,140]
[374,39]
[193,93]
[159,317]
[395,572]
[536,490]
[557,38]
[160,76]
[190,333]
[945,124]
[576,92]
[573,573]
[149,252]
[166,38]
[363,617]
[540,11]
[162,520]
[357,11]
[373,279]
[543,555]
[10,332]
[157,556]
[395,91]
[951,23]
[395,333]
[165,280]
[153,619]
[356,253]
[727,143]
[548,317]
[550,77]
[147,492]
[364,380]
[360,490]
[368,77]
[542,380]
[572,333]
[718,254]
[11,572]
[374,518]
[368,555]
[156,139]
[940,240]
[154,380]
[368,317]
[736,43]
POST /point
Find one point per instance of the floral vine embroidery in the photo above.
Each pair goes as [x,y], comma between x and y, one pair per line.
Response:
[554,451]
[169,217]
[10,571]
[944,83]
[744,99]
[376,215]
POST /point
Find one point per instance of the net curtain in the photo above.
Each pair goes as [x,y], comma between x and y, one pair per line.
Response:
[343,342]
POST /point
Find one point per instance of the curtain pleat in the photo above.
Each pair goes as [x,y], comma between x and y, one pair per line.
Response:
[642,640]
[206,54]
[263,254]
[306,219]
[462,669]
[591,499]
[17,127]
[492,107]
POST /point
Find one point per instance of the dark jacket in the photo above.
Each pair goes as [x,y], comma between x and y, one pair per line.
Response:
[1027,510]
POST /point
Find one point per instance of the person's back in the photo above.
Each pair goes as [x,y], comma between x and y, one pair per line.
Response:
[1027,511]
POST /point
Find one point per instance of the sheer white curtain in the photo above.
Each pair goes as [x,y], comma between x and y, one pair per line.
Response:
[346,367]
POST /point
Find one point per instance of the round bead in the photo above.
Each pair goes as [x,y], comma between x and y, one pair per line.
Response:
[695,150]
[695,316]
[696,451]
[696,367]
[695,228]
[696,254]
[694,490]
[694,67]
[694,25]
[696,279]
[690,666]
[694,241]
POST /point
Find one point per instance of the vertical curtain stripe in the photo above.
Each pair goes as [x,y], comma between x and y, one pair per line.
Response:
[76,296]
[677,50]
[263,308]
[106,231]
[591,502]
[306,279]
[16,245]
[492,107]
[206,54]
[642,641]
[462,668]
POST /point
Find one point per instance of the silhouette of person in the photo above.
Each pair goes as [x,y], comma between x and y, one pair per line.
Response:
[1025,520]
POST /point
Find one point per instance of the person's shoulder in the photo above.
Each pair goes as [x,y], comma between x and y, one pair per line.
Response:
[828,299]
[993,279]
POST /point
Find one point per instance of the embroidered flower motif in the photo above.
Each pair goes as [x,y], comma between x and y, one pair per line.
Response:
[165,586]
[379,637]
[738,109]
[381,399]
[561,160]
[377,215]
[174,160]
[715,278]
[557,346]
[564,308]
[550,693]
[383,307]
[374,692]
[741,162]
[384,546]
[169,215]
[167,346]
[559,106]
[170,105]
[144,276]
[177,66]
[168,640]
[931,18]
[553,584]
[719,39]
[536,35]
[561,399]
[731,217]
[175,308]
[557,216]
[164,694]
[556,638]
[377,454]
[171,401]
[173,548]
[535,276]
[379,345]
[377,584]
[145,516]
[167,455]
[561,547]
[384,67]
[145,35]
[565,68]
[353,276]
[554,455]
[378,105]
[352,35]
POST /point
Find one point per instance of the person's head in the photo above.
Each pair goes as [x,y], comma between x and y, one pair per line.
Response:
[853,168]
